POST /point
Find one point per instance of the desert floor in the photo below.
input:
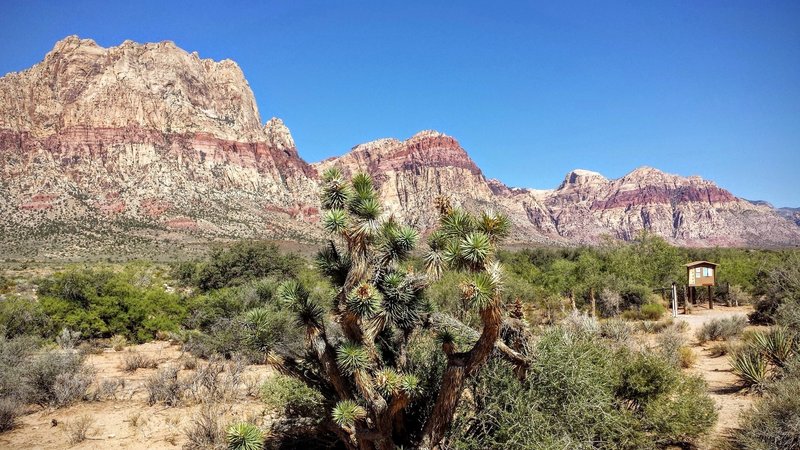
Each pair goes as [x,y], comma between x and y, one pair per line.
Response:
[126,421]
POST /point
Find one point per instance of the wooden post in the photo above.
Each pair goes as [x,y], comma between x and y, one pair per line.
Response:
[710,299]
[594,303]
[685,300]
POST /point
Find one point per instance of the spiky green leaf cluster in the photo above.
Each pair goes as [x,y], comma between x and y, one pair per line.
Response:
[494,225]
[347,412]
[244,436]
[336,194]
[402,299]
[335,221]
[396,242]
[391,382]
[474,248]
[296,297]
[364,300]
[352,357]
[479,291]
[333,264]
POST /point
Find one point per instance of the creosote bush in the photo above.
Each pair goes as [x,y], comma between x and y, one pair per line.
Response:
[291,397]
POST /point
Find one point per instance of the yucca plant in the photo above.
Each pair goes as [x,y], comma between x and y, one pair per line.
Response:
[778,344]
[244,436]
[365,375]
[750,366]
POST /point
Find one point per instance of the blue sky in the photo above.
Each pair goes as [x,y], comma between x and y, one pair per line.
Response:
[530,89]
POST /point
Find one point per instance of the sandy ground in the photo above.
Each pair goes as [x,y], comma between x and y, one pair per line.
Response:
[127,422]
[722,383]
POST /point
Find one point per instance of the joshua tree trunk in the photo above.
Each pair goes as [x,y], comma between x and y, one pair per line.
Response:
[460,366]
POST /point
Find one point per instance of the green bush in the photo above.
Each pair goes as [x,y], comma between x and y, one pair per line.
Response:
[245,261]
[99,303]
[21,315]
[721,329]
[649,311]
[291,397]
[584,393]
[652,311]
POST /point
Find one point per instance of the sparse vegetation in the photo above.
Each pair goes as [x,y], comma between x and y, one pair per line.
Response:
[134,361]
[77,430]
[573,370]
[722,329]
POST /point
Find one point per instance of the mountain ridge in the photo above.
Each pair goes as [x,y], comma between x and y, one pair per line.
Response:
[150,141]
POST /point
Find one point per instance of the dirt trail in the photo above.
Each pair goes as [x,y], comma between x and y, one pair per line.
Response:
[722,383]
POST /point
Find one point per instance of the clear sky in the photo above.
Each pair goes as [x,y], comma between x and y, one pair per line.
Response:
[530,89]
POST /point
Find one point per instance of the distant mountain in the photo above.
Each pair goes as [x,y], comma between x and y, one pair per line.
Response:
[103,148]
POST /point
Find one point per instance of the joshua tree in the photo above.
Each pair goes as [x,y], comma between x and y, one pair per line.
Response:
[362,370]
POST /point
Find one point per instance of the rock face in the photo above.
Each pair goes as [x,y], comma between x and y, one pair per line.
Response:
[145,137]
[586,208]
[147,141]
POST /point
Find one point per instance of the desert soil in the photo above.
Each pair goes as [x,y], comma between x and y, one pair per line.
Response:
[127,422]
[722,383]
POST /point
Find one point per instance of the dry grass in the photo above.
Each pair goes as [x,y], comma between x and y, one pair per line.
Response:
[78,430]
[134,361]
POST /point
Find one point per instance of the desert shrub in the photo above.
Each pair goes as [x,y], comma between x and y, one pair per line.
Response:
[779,303]
[9,410]
[118,342]
[204,430]
[652,311]
[14,355]
[244,436]
[581,323]
[245,261]
[686,357]
[291,397]
[56,378]
[100,303]
[670,342]
[135,360]
[750,366]
[648,312]
[77,430]
[616,330]
[721,329]
[5,283]
[108,388]
[21,316]
[67,339]
[164,387]
[583,393]
[185,272]
[738,296]
[720,349]
[773,422]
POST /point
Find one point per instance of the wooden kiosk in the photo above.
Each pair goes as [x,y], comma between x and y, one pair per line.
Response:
[700,273]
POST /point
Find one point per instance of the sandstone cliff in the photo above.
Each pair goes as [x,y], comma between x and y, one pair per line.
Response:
[146,141]
[146,136]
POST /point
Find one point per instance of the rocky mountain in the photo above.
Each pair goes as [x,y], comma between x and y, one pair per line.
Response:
[148,143]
